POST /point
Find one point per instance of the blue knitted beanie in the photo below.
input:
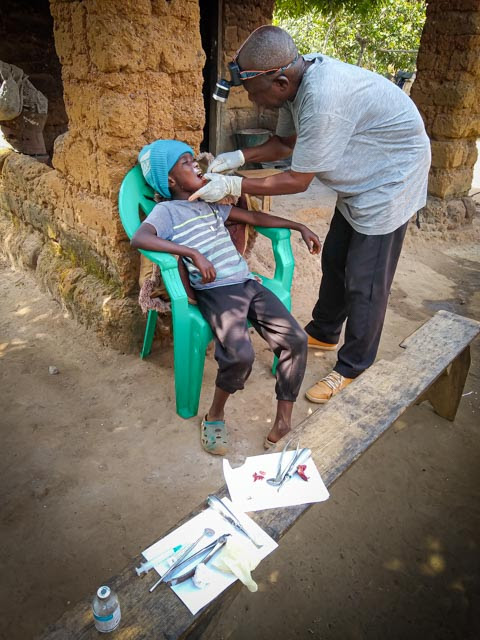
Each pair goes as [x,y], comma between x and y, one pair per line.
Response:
[157,159]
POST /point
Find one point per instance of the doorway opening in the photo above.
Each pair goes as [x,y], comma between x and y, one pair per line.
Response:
[210,17]
[26,41]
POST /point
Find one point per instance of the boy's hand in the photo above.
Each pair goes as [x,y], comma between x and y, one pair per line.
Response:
[205,267]
[311,240]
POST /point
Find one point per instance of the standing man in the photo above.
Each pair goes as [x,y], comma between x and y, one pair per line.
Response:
[364,138]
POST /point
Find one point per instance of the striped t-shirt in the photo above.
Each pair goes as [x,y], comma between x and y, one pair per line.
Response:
[200,225]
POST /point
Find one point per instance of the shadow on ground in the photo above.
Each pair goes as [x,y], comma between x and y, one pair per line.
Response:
[95,465]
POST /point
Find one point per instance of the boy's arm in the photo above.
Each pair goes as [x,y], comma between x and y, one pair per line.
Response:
[261,219]
[146,238]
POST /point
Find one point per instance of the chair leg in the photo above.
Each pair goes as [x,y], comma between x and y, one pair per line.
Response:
[189,357]
[274,365]
[149,332]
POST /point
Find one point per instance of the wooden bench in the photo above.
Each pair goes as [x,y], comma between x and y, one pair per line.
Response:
[434,366]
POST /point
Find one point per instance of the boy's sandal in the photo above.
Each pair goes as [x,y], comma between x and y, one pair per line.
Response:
[214,436]
[268,444]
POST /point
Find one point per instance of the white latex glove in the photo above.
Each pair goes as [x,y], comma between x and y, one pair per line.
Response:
[239,557]
[226,161]
[218,187]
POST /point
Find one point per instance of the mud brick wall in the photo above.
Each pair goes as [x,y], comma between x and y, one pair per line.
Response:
[239,20]
[447,91]
[132,72]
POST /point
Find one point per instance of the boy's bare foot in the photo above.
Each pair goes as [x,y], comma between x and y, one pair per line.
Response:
[213,417]
[282,424]
[276,433]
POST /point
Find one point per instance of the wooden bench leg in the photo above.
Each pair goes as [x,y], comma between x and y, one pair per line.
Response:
[446,392]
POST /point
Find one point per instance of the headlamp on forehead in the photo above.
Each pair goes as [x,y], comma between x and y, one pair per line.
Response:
[222,87]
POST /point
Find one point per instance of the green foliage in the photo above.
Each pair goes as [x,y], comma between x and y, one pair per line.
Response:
[350,35]
[298,8]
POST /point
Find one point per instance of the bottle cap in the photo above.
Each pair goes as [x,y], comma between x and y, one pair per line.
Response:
[103,592]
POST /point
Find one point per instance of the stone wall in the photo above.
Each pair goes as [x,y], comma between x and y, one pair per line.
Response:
[446,91]
[132,72]
[239,20]
[36,232]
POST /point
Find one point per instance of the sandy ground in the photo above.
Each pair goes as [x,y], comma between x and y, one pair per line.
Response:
[95,465]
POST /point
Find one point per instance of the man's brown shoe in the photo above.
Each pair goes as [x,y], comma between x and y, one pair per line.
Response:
[321,346]
[327,387]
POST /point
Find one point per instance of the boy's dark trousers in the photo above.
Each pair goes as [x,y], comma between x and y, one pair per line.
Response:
[357,276]
[227,310]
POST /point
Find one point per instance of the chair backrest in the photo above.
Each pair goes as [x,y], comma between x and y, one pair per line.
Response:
[135,194]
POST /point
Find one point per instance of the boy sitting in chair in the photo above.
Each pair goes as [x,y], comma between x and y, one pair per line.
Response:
[228,295]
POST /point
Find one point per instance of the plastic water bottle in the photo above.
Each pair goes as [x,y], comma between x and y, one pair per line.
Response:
[106,610]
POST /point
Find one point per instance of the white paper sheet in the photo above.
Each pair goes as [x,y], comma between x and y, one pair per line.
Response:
[248,494]
[192,597]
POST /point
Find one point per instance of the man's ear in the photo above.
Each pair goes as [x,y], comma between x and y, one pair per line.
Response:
[282,83]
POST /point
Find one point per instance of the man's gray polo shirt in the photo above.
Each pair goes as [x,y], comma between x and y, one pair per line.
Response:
[364,138]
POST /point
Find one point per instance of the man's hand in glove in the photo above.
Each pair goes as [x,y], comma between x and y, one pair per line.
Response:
[218,187]
[226,162]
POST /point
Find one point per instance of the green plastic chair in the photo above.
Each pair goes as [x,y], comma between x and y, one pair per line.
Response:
[191,333]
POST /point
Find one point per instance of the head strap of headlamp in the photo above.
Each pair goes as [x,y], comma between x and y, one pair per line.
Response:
[253,73]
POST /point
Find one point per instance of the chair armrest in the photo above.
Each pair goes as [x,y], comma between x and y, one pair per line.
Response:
[274,234]
[164,260]
[282,253]
[169,268]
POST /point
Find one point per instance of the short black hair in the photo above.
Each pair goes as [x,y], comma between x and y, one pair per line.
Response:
[268,47]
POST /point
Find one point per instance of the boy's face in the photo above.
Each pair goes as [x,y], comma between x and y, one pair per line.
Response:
[185,176]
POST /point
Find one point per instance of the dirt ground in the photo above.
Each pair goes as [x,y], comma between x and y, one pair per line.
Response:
[95,465]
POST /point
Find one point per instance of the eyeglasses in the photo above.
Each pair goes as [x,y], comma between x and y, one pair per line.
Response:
[246,75]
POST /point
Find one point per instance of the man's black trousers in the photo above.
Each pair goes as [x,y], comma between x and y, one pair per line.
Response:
[357,276]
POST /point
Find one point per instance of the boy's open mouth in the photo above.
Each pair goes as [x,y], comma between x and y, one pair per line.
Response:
[199,174]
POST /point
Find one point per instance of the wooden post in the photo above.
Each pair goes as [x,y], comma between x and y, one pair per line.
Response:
[446,392]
